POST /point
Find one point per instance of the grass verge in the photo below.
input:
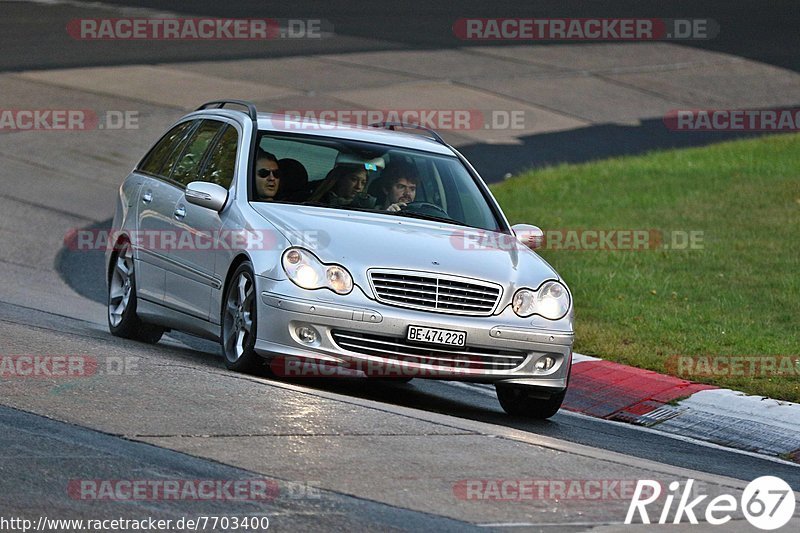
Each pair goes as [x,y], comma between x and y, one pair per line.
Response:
[731,301]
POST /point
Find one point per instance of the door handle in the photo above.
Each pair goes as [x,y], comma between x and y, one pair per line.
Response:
[180,212]
[147,197]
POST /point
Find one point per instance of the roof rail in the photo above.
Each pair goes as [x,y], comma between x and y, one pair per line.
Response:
[219,104]
[392,125]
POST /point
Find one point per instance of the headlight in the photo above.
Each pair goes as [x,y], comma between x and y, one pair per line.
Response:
[306,271]
[550,301]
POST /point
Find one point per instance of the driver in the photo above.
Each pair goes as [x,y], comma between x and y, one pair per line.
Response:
[268,176]
[399,187]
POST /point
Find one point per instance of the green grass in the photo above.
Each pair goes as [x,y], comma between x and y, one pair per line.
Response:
[739,295]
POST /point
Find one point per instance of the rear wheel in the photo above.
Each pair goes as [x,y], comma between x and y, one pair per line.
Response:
[122,318]
[239,321]
[520,401]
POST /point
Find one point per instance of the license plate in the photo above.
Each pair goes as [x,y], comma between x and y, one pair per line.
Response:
[445,337]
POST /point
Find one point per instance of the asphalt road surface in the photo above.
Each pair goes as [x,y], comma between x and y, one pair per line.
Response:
[748,28]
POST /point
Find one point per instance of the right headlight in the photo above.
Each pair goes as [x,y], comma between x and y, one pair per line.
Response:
[551,301]
[308,272]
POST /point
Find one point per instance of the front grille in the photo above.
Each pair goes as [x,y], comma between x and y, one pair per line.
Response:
[444,294]
[399,349]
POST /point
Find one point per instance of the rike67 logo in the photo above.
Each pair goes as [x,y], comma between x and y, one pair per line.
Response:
[767,503]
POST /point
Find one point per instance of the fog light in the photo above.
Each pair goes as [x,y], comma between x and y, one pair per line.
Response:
[307,335]
[545,363]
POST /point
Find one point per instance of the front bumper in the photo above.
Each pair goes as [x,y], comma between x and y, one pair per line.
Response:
[283,308]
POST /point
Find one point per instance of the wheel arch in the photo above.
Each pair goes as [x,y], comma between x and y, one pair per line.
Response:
[238,260]
[119,240]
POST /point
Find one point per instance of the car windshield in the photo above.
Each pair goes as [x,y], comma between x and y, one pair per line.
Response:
[346,174]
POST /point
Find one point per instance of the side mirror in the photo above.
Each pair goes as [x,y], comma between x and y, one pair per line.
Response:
[208,195]
[530,236]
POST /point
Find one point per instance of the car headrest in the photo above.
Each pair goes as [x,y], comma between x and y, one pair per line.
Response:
[295,176]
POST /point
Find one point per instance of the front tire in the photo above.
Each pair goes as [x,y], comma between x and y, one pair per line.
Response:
[122,319]
[239,320]
[518,401]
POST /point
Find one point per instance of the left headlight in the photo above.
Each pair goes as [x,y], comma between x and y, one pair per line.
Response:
[308,272]
[551,301]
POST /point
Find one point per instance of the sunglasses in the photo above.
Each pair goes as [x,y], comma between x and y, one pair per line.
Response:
[264,172]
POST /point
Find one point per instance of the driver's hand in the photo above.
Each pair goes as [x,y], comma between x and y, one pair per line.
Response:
[396,207]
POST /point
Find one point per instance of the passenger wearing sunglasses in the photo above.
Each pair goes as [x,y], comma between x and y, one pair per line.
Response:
[268,176]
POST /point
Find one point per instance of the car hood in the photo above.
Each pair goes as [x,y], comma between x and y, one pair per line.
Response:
[362,240]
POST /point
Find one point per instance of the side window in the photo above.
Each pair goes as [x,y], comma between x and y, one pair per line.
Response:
[316,159]
[222,159]
[187,167]
[156,158]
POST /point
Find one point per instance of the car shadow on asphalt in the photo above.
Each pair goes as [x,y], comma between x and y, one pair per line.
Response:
[83,271]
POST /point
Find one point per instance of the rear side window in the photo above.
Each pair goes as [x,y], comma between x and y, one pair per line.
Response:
[222,159]
[158,158]
[187,167]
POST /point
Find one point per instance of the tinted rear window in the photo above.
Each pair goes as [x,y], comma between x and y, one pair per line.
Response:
[155,160]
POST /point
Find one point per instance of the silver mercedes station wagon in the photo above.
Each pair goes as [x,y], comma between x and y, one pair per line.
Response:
[324,249]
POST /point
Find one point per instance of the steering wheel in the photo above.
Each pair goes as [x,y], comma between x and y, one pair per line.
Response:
[422,207]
